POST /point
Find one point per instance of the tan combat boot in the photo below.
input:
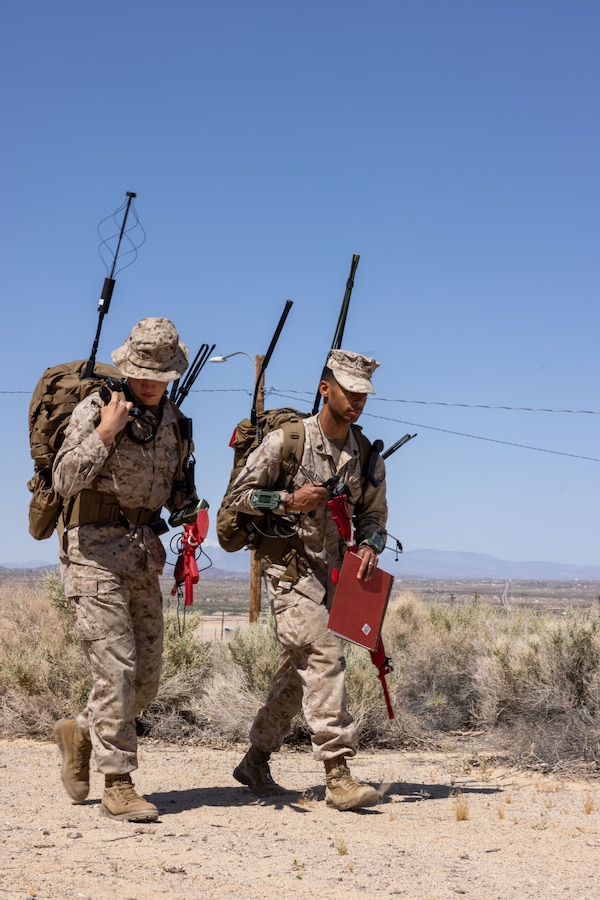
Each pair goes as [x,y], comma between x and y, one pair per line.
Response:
[76,749]
[343,791]
[254,772]
[120,801]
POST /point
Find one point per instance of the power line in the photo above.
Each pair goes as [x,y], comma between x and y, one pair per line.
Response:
[299,394]
[286,391]
[290,394]
[587,412]
[476,437]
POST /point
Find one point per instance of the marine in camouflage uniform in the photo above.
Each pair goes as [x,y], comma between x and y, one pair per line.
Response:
[116,473]
[311,667]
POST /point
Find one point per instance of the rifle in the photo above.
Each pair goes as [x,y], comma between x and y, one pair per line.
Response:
[384,666]
[341,324]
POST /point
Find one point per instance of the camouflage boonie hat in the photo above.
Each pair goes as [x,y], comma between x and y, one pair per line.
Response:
[352,371]
[153,351]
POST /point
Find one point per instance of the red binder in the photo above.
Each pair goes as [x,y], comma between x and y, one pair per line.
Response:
[358,606]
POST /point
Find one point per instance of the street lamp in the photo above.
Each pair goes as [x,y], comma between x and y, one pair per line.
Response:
[222,359]
[255,569]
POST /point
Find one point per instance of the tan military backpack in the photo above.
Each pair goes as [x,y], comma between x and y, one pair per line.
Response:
[55,396]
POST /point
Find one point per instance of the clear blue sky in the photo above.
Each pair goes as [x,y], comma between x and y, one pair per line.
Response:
[453,145]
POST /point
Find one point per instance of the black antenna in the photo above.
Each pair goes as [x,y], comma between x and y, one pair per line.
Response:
[341,324]
[269,353]
[376,453]
[107,291]
[403,440]
[181,388]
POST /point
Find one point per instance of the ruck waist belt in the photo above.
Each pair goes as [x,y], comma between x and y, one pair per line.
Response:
[91,507]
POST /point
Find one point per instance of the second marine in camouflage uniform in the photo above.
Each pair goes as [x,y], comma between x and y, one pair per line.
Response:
[311,667]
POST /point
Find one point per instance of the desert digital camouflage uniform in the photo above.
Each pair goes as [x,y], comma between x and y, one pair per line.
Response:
[311,667]
[110,575]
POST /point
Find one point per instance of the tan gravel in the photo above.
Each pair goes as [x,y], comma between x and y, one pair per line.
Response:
[523,835]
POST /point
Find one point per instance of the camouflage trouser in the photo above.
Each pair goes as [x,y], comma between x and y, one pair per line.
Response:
[310,676]
[119,622]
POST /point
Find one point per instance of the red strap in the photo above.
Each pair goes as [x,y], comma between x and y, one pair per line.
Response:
[186,568]
[338,506]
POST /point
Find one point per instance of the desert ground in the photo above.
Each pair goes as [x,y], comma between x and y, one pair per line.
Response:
[451,822]
[455,818]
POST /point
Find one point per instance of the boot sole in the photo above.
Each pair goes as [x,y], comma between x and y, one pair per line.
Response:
[128,817]
[343,807]
[268,791]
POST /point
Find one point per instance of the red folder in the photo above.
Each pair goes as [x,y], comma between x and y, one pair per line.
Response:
[359,606]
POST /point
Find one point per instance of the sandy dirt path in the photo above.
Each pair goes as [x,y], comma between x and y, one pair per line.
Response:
[524,835]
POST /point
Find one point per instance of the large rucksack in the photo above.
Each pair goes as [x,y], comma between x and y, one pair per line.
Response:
[54,398]
[235,529]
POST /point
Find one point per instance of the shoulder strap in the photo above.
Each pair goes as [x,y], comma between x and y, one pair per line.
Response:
[182,427]
[293,448]
[364,453]
[364,447]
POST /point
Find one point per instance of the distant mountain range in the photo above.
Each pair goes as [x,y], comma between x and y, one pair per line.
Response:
[474,566]
[432,564]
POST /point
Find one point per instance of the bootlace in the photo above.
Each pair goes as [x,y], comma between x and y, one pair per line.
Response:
[124,791]
[341,776]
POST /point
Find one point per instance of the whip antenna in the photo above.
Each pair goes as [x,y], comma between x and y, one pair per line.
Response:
[109,281]
[181,388]
[268,355]
[403,440]
[341,324]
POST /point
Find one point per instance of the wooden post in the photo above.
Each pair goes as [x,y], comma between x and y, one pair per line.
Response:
[255,574]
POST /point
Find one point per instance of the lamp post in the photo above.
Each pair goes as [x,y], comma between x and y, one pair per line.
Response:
[255,573]
[222,359]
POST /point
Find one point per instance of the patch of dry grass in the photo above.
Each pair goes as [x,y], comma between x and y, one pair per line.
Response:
[43,673]
[532,678]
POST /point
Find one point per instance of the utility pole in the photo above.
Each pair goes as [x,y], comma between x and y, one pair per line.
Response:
[255,568]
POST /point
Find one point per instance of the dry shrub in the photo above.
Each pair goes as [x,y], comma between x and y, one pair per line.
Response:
[461,807]
[184,650]
[255,650]
[366,699]
[542,680]
[187,664]
[405,619]
[174,713]
[228,707]
[43,672]
[532,678]
[435,650]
